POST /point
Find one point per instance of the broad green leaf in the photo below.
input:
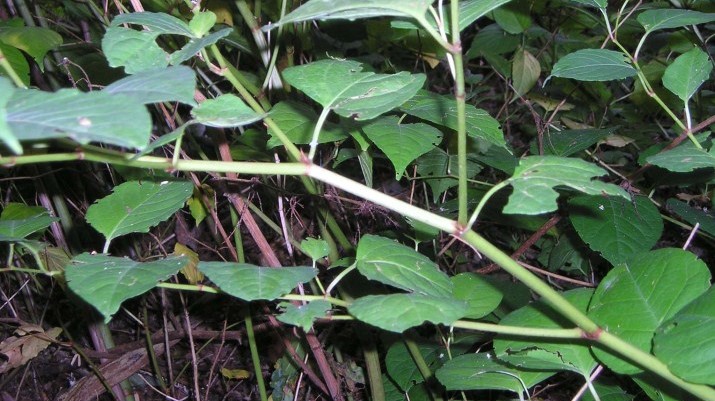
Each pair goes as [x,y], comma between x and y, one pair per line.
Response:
[17,61]
[440,170]
[573,355]
[172,84]
[442,110]
[402,143]
[341,86]
[135,51]
[654,286]
[536,178]
[593,3]
[658,389]
[470,11]
[492,40]
[18,220]
[202,22]
[34,41]
[384,260]
[481,296]
[607,391]
[483,371]
[683,159]
[134,207]
[514,17]
[525,71]
[196,44]
[159,23]
[303,315]
[81,116]
[106,281]
[315,248]
[251,283]
[569,142]
[224,111]
[593,65]
[401,366]
[693,215]
[164,140]
[297,121]
[616,227]
[399,312]
[653,20]
[352,9]
[684,76]
[685,343]
[6,136]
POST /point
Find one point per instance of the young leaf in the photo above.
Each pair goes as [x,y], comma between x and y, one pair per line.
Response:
[224,111]
[685,343]
[653,20]
[315,248]
[685,75]
[399,312]
[483,371]
[391,263]
[442,110]
[655,286]
[106,281]
[481,296]
[6,135]
[683,159]
[341,86]
[402,143]
[593,65]
[135,51]
[172,84]
[525,71]
[135,206]
[304,315]
[160,23]
[535,179]
[250,283]
[297,121]
[18,220]
[202,22]
[616,227]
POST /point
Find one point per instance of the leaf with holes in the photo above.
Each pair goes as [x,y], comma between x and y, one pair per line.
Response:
[654,286]
[106,281]
[593,65]
[399,312]
[684,76]
[172,84]
[251,283]
[616,227]
[535,179]
[225,111]
[303,315]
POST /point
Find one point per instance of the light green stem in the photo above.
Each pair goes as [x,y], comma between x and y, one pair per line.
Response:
[460,96]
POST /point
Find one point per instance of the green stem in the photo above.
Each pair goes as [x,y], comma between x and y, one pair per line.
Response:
[421,364]
[254,353]
[460,96]
[308,298]
[484,200]
[574,333]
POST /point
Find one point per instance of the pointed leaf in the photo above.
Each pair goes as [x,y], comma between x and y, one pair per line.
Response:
[685,75]
[17,61]
[159,23]
[135,51]
[18,220]
[297,121]
[514,17]
[616,227]
[470,11]
[172,84]
[196,44]
[251,283]
[341,86]
[525,71]
[686,344]
[401,366]
[683,159]
[481,295]
[593,65]
[106,281]
[536,177]
[655,286]
[440,170]
[569,142]
[593,3]
[653,20]
[34,41]
[303,315]
[442,110]
[315,248]
[693,215]
[6,136]
[399,312]
[202,22]
[224,111]
[384,260]
[134,207]
[402,143]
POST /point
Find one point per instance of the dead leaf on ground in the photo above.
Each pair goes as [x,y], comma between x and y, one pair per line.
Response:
[26,343]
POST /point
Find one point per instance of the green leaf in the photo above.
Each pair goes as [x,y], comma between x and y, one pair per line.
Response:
[134,207]
[573,355]
[593,3]
[683,159]
[251,283]
[653,20]
[106,281]
[442,110]
[81,116]
[536,178]
[135,51]
[684,76]
[440,170]
[525,71]
[514,17]
[685,343]
[593,65]
[569,142]
[470,11]
[202,22]
[172,84]
[341,86]
[401,366]
[303,315]
[483,371]
[17,62]
[607,392]
[196,44]
[481,296]
[225,111]
[616,227]
[159,23]
[315,248]
[297,121]
[402,143]
[34,41]
[492,40]
[399,312]
[18,220]
[384,260]
[6,135]
[693,215]
[654,286]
